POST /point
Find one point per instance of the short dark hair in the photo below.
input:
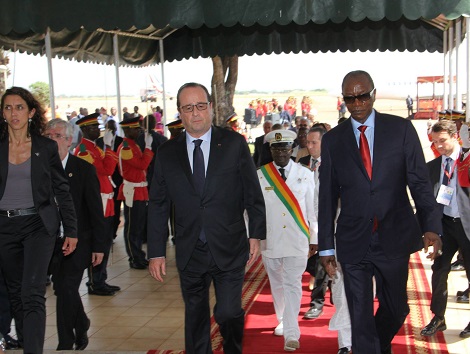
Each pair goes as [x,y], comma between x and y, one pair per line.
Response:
[445,125]
[319,129]
[358,73]
[151,122]
[191,84]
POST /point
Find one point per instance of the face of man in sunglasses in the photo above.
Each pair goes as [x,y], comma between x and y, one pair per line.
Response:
[361,108]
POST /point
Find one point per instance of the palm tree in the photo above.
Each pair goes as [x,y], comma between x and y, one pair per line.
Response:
[224,80]
[4,60]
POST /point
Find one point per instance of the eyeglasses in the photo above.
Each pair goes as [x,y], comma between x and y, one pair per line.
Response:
[201,106]
[361,98]
[55,136]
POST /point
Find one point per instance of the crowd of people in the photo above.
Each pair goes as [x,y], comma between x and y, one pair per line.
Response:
[329,201]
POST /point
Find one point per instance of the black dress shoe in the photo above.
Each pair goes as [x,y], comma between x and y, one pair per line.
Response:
[112,287]
[81,341]
[101,291]
[466,292]
[466,332]
[344,350]
[436,324]
[11,343]
[136,265]
[462,299]
[457,265]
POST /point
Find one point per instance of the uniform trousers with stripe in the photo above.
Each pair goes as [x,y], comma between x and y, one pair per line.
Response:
[135,219]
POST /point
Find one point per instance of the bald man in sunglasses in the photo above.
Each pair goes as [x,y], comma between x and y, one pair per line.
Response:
[368,162]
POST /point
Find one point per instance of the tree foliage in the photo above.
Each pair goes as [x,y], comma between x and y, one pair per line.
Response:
[224,80]
[4,60]
[40,90]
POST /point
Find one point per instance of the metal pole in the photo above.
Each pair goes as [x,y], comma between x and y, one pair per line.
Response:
[49,69]
[467,109]
[14,65]
[118,84]
[451,72]
[458,36]
[445,102]
[162,60]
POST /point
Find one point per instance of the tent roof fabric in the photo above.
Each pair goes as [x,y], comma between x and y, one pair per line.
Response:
[36,15]
[84,29]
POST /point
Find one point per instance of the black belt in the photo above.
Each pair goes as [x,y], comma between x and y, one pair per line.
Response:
[18,212]
[451,218]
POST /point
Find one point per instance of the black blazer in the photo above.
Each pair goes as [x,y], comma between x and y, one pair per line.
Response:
[158,140]
[231,188]
[85,190]
[398,162]
[49,185]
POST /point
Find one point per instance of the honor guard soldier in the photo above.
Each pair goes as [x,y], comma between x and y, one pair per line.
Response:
[105,163]
[176,128]
[133,164]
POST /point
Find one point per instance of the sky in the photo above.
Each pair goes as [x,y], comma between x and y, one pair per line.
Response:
[268,73]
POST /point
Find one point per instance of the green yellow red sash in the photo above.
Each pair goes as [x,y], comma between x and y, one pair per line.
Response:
[284,193]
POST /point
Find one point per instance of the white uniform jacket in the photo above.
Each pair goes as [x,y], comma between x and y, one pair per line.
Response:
[284,237]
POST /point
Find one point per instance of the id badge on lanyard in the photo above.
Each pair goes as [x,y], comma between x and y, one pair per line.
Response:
[444,196]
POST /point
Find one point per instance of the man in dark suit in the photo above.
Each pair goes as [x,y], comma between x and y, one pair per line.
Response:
[67,272]
[455,216]
[259,144]
[376,230]
[211,237]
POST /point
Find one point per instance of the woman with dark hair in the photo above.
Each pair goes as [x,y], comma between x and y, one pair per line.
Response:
[34,200]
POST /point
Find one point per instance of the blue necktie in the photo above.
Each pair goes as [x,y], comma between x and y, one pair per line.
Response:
[199,175]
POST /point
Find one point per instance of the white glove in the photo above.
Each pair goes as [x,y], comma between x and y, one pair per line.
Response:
[429,126]
[108,138]
[148,141]
[464,136]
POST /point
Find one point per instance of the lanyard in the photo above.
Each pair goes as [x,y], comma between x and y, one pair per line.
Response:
[449,175]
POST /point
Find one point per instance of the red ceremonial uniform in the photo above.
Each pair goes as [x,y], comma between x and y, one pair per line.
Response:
[463,168]
[133,164]
[105,163]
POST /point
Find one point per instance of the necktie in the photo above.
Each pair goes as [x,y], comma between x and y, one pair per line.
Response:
[281,171]
[199,175]
[364,150]
[445,177]
[313,164]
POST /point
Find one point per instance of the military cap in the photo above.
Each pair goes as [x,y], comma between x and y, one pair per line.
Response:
[441,115]
[176,124]
[130,123]
[232,118]
[90,119]
[281,136]
[456,115]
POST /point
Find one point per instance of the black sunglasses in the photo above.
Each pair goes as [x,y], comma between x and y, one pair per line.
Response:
[361,98]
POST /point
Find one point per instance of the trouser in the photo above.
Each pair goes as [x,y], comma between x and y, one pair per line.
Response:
[98,275]
[285,280]
[195,282]
[340,321]
[135,219]
[25,251]
[371,333]
[317,297]
[5,308]
[72,321]
[453,238]
[117,212]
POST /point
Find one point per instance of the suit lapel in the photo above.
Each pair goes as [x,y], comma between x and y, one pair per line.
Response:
[182,155]
[35,162]
[380,135]
[351,146]
[215,155]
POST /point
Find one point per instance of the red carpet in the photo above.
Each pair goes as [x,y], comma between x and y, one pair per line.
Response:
[316,338]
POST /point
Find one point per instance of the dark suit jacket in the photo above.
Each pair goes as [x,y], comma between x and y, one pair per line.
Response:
[398,162]
[262,153]
[305,161]
[116,177]
[49,185]
[231,188]
[85,189]
[463,193]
